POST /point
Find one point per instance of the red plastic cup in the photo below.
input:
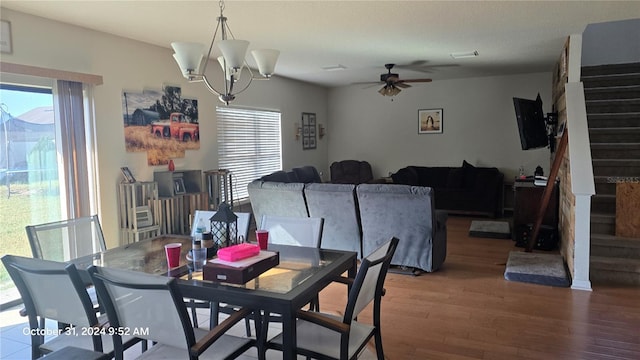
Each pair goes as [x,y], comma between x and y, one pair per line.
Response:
[263,238]
[173,254]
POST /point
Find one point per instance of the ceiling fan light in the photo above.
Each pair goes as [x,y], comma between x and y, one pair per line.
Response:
[189,56]
[266,60]
[234,52]
[389,90]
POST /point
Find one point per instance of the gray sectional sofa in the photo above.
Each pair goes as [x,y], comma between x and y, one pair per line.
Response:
[360,217]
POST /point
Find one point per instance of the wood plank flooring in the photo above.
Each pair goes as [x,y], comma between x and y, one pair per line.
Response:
[467,310]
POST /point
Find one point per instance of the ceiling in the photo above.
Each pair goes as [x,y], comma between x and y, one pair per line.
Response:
[510,37]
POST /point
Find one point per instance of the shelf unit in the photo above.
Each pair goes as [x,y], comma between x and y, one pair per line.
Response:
[139,211]
[180,195]
[219,187]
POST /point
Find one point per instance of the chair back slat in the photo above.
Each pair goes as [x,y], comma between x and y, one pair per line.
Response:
[47,287]
[141,301]
[370,279]
[297,231]
[67,239]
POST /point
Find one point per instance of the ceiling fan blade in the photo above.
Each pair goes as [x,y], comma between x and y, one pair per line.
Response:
[417,80]
[402,84]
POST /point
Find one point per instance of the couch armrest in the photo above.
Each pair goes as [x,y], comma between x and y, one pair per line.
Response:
[441,217]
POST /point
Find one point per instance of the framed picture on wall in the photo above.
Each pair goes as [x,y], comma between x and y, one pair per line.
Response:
[128,177]
[308,131]
[178,186]
[430,121]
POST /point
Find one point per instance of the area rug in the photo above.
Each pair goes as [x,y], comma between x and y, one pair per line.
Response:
[536,268]
[490,229]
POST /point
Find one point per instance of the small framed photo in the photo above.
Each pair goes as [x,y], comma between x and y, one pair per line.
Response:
[6,45]
[127,175]
[430,121]
[308,131]
[178,186]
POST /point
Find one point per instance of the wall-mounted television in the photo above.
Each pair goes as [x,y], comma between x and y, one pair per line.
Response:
[531,123]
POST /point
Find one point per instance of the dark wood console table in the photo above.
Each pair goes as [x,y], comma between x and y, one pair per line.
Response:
[527,198]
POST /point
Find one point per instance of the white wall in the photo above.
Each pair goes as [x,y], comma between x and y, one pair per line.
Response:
[614,42]
[479,124]
[133,66]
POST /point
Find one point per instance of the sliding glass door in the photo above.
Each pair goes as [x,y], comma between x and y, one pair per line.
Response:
[46,173]
[29,177]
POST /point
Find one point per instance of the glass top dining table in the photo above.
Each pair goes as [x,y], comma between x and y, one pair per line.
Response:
[301,274]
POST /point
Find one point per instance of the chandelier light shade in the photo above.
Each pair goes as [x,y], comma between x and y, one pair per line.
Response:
[189,56]
[192,60]
[234,52]
[266,59]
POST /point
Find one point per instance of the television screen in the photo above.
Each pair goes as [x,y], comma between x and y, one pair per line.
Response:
[531,124]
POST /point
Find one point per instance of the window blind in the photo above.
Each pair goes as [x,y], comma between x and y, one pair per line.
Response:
[249,145]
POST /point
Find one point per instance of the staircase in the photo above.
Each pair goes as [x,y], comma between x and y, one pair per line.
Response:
[612,94]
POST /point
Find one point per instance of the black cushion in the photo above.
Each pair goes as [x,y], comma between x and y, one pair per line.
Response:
[351,172]
[455,178]
[307,174]
[469,174]
[278,176]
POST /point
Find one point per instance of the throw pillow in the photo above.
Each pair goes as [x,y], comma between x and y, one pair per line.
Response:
[469,174]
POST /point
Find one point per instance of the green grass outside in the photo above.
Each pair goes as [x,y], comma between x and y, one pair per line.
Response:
[27,204]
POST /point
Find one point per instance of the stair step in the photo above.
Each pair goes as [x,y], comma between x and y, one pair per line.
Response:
[611,80]
[613,120]
[603,223]
[605,185]
[614,135]
[612,93]
[615,150]
[608,69]
[626,168]
[604,203]
[613,106]
[614,270]
[615,246]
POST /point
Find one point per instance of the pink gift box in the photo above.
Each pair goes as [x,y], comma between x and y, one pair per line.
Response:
[238,252]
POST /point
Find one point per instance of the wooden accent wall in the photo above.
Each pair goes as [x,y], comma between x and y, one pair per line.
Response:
[566,224]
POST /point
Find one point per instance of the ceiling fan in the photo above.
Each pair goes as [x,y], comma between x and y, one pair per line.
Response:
[393,83]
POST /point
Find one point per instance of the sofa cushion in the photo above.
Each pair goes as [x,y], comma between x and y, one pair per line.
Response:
[277,176]
[336,204]
[405,176]
[455,178]
[407,213]
[435,177]
[307,174]
[277,199]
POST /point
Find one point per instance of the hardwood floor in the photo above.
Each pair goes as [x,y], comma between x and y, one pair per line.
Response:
[467,310]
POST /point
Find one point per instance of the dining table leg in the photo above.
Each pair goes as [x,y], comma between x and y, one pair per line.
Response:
[289,342]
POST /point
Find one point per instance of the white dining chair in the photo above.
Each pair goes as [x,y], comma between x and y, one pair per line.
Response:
[297,231]
[66,239]
[153,305]
[54,290]
[327,336]
[243,222]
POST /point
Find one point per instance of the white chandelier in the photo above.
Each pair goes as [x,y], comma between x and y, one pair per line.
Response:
[193,62]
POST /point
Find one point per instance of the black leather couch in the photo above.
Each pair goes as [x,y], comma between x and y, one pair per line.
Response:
[303,174]
[466,190]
